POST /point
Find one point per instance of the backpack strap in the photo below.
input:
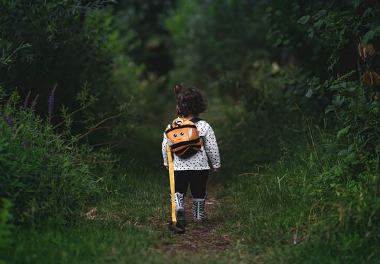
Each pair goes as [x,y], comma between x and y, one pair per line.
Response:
[195,119]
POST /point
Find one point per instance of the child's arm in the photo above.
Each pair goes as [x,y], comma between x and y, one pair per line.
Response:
[164,152]
[212,150]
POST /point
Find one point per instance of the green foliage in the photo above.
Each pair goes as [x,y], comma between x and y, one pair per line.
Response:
[353,146]
[343,28]
[213,40]
[341,36]
[345,230]
[48,176]
[48,43]
[5,227]
[41,173]
[147,43]
[68,45]
[256,128]
[286,33]
[281,213]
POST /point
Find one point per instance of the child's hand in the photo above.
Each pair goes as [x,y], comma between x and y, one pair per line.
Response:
[215,170]
[167,167]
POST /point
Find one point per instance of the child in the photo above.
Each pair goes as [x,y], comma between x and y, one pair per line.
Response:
[193,170]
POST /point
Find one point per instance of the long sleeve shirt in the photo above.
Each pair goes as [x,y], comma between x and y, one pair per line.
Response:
[199,161]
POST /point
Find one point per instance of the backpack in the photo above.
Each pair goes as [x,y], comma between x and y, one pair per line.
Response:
[183,137]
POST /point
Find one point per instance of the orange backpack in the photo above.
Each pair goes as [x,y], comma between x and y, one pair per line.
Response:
[183,137]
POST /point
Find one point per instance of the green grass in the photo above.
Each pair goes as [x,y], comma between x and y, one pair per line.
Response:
[87,242]
[126,224]
[120,226]
[263,208]
[259,211]
[266,210]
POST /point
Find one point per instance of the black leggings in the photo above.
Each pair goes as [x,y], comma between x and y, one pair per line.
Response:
[196,178]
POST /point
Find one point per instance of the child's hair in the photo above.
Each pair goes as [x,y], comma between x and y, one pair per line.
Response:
[189,101]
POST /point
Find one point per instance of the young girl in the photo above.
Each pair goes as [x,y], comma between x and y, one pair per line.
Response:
[195,169]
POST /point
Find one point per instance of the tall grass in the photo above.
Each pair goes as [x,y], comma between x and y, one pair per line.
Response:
[290,214]
[122,225]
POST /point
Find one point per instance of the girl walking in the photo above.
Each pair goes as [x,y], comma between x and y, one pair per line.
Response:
[193,170]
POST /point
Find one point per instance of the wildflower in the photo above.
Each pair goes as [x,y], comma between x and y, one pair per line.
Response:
[51,103]
[4,116]
[11,123]
[26,143]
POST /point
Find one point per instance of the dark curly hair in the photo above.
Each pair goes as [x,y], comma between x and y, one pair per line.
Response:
[189,101]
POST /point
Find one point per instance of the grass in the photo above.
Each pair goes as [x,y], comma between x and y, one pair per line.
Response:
[284,216]
[119,227]
[83,243]
[269,206]
[262,212]
[127,224]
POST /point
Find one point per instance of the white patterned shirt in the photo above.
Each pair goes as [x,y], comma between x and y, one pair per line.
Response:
[199,161]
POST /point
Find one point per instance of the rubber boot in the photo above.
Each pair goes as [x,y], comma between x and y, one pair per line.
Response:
[179,208]
[199,210]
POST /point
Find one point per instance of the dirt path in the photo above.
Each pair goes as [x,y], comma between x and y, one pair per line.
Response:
[199,237]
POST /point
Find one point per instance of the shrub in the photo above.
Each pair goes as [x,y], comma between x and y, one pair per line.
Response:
[46,175]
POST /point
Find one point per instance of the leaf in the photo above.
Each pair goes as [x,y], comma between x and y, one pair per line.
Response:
[377,30]
[309,93]
[303,20]
[351,148]
[338,100]
[319,24]
[369,35]
[343,131]
[342,153]
[330,108]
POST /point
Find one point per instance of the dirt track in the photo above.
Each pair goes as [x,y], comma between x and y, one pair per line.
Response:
[199,237]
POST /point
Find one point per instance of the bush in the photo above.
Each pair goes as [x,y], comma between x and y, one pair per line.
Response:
[46,175]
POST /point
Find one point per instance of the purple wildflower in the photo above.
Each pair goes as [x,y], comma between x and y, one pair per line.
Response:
[51,101]
[4,116]
[26,143]
[11,123]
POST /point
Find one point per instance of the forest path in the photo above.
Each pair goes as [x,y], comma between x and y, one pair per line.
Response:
[199,237]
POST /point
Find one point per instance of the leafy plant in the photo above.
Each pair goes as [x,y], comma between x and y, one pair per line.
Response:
[5,227]
[47,175]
